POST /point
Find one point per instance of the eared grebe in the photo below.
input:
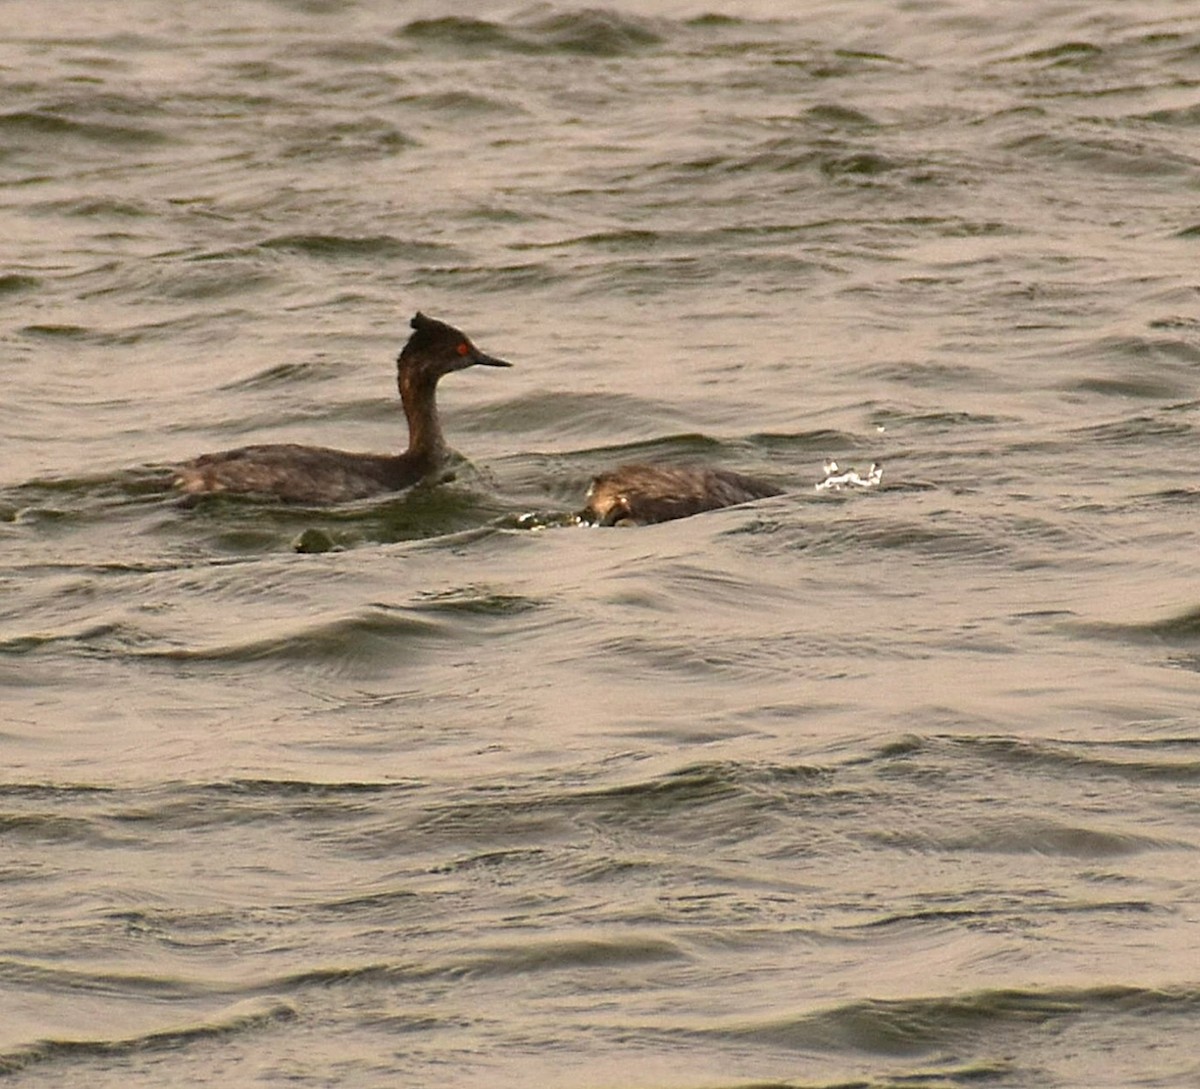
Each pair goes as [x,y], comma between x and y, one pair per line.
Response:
[641,494]
[316,474]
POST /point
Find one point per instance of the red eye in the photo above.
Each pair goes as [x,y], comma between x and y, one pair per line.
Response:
[463,348]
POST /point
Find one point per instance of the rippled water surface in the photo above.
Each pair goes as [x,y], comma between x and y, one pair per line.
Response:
[895,787]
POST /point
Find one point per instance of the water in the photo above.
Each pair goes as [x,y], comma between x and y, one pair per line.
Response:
[895,787]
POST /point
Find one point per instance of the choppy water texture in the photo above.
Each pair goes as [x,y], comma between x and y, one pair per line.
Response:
[872,789]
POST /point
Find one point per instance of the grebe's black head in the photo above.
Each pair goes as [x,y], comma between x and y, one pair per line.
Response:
[436,348]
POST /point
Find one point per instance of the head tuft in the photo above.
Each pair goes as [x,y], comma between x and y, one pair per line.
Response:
[429,330]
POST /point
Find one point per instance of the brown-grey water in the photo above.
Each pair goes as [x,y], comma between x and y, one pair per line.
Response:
[882,788]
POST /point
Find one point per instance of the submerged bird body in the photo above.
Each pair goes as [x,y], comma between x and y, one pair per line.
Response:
[642,494]
[317,474]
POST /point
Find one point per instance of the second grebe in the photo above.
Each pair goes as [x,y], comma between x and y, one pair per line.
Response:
[641,494]
[317,474]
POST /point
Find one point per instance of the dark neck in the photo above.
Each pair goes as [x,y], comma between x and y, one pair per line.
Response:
[426,446]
